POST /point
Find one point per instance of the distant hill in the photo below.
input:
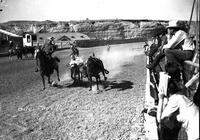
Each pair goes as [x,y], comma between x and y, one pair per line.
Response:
[97,29]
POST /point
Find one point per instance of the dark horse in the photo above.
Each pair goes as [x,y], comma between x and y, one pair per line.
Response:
[75,73]
[94,67]
[47,65]
[19,53]
[26,50]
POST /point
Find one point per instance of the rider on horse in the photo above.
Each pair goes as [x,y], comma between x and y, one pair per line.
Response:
[75,62]
[73,47]
[48,48]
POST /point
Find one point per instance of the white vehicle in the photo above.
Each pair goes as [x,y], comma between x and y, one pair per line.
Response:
[27,40]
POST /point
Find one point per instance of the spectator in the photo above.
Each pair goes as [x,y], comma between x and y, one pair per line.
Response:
[160,55]
[179,48]
[180,107]
[183,44]
[161,41]
[188,111]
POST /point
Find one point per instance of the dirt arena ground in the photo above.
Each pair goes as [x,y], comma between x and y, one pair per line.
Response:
[70,112]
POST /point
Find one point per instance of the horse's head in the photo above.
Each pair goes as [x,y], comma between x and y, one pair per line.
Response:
[74,66]
[38,52]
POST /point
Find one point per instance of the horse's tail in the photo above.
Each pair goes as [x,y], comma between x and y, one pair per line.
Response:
[56,58]
[106,71]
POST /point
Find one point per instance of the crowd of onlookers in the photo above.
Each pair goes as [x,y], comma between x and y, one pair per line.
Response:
[175,45]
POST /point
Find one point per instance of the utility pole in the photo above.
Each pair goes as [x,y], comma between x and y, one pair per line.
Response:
[2,4]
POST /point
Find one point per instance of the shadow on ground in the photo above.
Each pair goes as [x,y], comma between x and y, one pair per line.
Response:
[123,85]
[74,84]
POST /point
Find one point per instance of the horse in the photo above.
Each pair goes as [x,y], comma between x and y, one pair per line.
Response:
[83,71]
[94,67]
[19,53]
[11,52]
[26,50]
[75,73]
[47,65]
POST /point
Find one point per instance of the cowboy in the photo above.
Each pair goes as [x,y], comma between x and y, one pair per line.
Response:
[48,48]
[73,47]
[75,60]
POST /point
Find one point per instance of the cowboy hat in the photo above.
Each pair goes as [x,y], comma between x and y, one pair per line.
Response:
[50,38]
[177,24]
[173,24]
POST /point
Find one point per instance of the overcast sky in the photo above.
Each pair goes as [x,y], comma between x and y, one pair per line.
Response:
[66,10]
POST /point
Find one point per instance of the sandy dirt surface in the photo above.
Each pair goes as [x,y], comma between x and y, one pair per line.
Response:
[70,112]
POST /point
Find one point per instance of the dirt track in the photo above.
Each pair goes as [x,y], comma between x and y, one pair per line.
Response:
[72,112]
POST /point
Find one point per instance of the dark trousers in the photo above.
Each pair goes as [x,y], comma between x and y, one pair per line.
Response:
[169,128]
[178,56]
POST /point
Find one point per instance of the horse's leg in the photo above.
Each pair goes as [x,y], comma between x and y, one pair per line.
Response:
[57,71]
[43,81]
[103,70]
[72,74]
[9,57]
[97,81]
[49,81]
[90,82]
[12,55]
[105,78]
[79,76]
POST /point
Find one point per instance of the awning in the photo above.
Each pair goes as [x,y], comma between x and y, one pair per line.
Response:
[9,33]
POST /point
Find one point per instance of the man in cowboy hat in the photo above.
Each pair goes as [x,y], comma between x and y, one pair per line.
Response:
[73,47]
[179,47]
[49,48]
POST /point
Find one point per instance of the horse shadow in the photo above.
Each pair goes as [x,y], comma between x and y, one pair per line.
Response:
[123,85]
[74,84]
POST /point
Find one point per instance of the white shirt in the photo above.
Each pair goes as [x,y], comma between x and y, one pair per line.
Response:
[188,114]
[78,60]
[179,37]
